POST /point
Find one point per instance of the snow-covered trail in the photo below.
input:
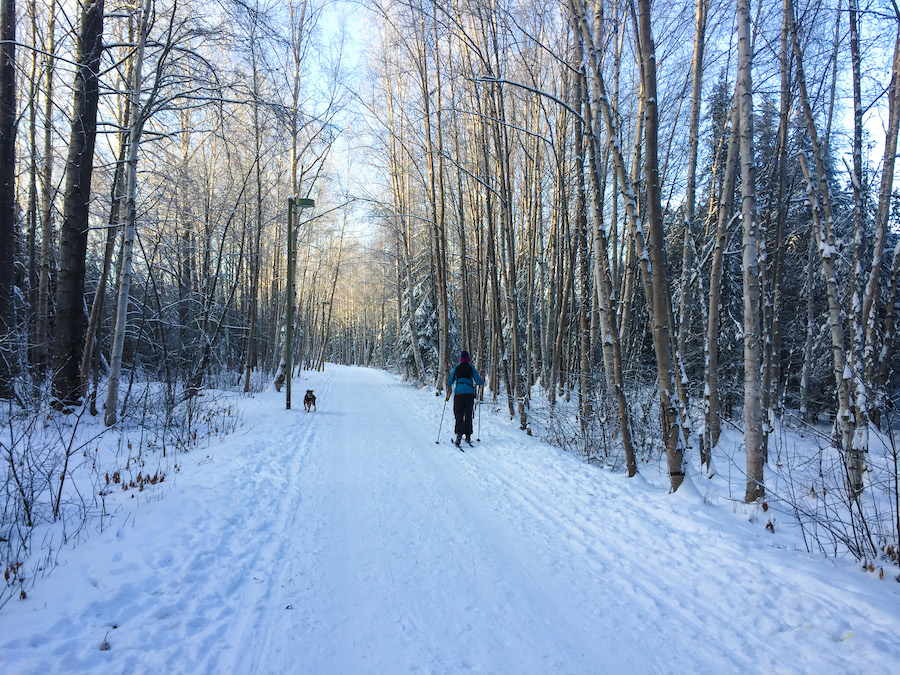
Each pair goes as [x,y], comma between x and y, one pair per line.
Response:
[403,563]
[347,541]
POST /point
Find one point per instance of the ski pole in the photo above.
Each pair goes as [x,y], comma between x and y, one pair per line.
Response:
[478,438]
[442,419]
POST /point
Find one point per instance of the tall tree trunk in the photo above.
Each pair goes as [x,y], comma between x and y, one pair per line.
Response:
[117,197]
[661,308]
[753,431]
[845,419]
[31,216]
[71,321]
[398,279]
[873,285]
[298,26]
[586,380]
[809,339]
[255,241]
[509,272]
[566,266]
[856,358]
[772,378]
[412,304]
[254,262]
[465,304]
[601,107]
[823,224]
[327,321]
[435,193]
[7,195]
[48,195]
[112,231]
[441,220]
[687,263]
[603,280]
[135,131]
[711,395]
[633,268]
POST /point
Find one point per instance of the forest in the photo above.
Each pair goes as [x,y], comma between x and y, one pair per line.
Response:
[649,222]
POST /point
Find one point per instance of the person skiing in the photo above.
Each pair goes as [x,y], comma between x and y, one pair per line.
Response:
[465,377]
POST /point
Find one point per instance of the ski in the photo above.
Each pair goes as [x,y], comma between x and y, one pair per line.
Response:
[458,445]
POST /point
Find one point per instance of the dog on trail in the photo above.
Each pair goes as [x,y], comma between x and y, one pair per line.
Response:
[309,401]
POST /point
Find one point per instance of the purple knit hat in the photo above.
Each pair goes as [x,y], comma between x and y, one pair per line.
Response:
[464,356]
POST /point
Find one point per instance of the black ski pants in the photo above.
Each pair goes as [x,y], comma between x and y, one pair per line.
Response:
[463,405]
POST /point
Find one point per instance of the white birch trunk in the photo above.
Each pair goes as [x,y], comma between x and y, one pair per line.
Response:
[825,240]
[134,141]
[753,431]
[873,373]
[711,390]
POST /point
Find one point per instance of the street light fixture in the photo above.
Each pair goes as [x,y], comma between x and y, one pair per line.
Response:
[289,321]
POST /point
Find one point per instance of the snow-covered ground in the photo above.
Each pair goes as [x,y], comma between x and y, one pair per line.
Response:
[348,541]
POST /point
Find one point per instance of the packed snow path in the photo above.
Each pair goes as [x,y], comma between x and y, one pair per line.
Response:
[347,541]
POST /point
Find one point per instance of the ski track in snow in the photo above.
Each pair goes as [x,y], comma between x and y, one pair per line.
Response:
[347,541]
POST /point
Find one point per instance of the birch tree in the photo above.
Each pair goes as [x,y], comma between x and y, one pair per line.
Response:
[660,304]
[873,374]
[819,194]
[691,182]
[753,432]
[140,114]
[711,405]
